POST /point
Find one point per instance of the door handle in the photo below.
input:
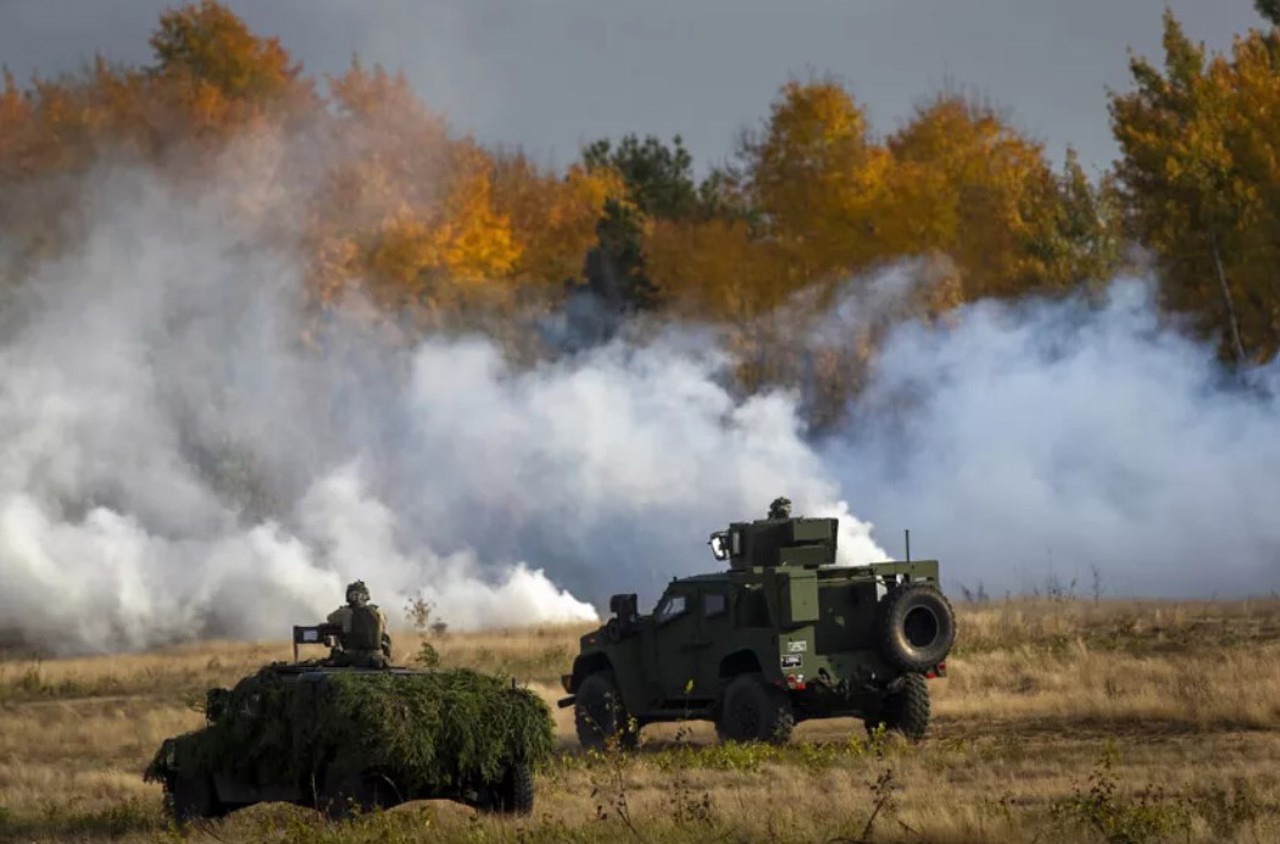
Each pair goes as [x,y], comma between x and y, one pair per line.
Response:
[694,646]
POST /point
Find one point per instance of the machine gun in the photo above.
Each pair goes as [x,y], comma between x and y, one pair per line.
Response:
[316,634]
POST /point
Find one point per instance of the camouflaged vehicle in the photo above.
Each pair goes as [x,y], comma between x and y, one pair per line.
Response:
[348,739]
[782,636]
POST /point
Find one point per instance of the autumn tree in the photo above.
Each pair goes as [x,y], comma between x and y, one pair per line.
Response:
[1201,185]
[658,184]
[406,209]
[817,181]
[553,217]
[1075,232]
[965,183]
[799,208]
[221,71]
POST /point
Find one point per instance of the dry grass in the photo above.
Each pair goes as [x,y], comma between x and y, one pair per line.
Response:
[1186,696]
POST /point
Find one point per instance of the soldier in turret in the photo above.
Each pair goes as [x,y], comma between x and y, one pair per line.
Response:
[780,508]
[363,641]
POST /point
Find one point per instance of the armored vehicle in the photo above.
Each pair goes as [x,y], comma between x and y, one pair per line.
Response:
[782,636]
[343,739]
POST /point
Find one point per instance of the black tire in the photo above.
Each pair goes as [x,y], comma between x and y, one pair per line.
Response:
[905,708]
[515,792]
[915,627]
[599,714]
[192,798]
[753,710]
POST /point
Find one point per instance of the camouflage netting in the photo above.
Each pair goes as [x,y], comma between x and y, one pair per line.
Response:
[429,729]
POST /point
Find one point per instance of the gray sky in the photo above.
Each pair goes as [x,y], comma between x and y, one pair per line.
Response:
[551,75]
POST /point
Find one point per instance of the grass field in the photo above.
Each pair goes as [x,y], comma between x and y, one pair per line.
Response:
[1060,721]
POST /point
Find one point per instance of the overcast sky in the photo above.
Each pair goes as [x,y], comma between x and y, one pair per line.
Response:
[549,75]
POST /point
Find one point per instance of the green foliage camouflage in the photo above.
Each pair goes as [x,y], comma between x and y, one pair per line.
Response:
[429,728]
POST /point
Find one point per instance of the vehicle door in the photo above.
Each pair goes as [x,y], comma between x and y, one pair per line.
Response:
[717,630]
[675,641]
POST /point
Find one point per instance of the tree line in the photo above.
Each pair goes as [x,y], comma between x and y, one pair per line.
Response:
[438,230]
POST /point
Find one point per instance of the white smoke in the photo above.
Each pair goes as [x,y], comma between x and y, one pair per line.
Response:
[1033,445]
[176,462]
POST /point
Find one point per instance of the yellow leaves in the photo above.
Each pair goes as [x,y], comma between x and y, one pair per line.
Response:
[475,241]
[1200,179]
[467,242]
[15,122]
[387,197]
[816,178]
[970,186]
[219,77]
[552,218]
[378,97]
[209,44]
[955,181]
[715,268]
[404,248]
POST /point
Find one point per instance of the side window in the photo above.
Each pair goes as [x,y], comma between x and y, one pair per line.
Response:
[714,604]
[672,606]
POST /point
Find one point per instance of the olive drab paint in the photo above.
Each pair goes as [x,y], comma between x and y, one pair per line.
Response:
[783,634]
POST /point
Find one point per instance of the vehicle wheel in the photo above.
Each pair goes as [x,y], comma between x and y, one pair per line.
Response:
[192,798]
[905,708]
[515,792]
[915,627]
[599,714]
[753,710]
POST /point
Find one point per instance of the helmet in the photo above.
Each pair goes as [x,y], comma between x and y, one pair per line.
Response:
[780,508]
[357,593]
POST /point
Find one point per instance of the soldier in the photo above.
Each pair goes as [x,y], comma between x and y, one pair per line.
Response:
[780,508]
[363,641]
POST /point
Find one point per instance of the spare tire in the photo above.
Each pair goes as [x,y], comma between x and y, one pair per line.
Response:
[916,627]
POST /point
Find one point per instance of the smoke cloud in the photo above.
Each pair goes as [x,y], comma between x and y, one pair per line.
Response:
[185,452]
[1045,444]
[176,461]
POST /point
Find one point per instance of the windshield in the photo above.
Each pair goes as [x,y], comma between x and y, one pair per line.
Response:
[671,606]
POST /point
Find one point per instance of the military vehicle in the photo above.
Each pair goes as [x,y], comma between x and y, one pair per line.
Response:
[344,739]
[782,636]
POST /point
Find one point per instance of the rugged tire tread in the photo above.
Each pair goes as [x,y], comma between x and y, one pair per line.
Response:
[753,710]
[599,714]
[891,619]
[515,794]
[907,708]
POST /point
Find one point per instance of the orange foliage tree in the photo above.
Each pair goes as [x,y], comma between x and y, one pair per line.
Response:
[384,199]
[1201,183]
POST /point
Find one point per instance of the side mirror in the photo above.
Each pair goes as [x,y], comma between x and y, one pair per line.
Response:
[719,545]
[625,607]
